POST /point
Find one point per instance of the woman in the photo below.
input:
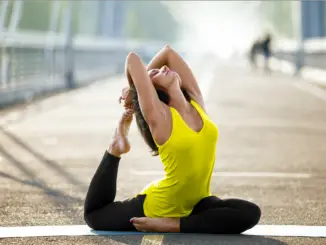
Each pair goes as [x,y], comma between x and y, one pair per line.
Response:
[172,119]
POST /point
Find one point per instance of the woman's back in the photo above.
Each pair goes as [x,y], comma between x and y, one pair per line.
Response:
[188,158]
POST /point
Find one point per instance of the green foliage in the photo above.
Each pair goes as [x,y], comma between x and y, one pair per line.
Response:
[143,19]
[35,15]
[150,20]
[133,25]
[279,15]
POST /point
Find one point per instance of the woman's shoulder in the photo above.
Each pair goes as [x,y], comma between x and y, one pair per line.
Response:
[198,106]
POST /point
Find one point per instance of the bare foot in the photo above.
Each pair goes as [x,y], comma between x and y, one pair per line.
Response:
[146,224]
[120,143]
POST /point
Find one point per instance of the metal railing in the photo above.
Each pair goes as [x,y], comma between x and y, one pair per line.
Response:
[34,63]
[314,52]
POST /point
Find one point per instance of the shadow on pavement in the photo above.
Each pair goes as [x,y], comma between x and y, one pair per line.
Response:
[60,199]
[198,239]
[38,184]
[50,163]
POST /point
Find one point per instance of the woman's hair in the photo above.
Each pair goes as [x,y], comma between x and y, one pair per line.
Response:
[140,120]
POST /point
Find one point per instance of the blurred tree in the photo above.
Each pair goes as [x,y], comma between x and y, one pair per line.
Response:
[279,15]
[35,15]
[86,17]
[144,19]
[76,7]
[150,20]
[133,25]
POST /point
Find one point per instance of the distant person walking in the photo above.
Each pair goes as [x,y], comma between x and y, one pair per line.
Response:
[266,48]
[254,51]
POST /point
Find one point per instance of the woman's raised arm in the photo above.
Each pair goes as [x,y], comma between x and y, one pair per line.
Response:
[168,56]
[151,106]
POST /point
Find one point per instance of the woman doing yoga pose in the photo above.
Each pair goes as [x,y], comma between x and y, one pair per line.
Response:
[171,116]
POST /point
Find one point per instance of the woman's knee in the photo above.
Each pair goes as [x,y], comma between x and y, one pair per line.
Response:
[105,222]
[249,212]
[91,221]
[97,221]
[253,214]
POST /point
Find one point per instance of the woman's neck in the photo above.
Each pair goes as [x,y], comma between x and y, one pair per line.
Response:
[177,99]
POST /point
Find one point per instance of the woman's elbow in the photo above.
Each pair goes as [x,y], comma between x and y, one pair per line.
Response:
[132,57]
[167,46]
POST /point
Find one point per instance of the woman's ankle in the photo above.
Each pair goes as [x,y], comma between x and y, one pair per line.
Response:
[113,151]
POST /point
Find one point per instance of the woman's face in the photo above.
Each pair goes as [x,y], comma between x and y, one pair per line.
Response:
[163,78]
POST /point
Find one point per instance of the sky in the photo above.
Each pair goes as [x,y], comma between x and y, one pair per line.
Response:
[224,27]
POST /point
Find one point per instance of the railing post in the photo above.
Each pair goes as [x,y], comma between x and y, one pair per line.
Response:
[3,71]
[51,36]
[4,67]
[300,53]
[7,53]
[3,13]
[15,16]
[69,52]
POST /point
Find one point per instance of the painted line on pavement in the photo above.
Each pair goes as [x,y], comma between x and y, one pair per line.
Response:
[287,230]
[235,174]
[154,238]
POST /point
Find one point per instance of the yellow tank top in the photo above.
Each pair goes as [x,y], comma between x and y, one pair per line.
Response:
[188,158]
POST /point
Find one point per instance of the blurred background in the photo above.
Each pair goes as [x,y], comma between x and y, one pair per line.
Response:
[48,46]
[61,73]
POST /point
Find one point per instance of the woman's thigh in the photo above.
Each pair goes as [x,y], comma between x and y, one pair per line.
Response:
[216,216]
[213,202]
[207,203]
[116,215]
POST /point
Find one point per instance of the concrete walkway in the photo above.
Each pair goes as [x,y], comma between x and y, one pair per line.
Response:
[271,150]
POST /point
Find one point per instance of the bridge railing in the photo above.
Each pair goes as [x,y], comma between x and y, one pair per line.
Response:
[314,52]
[33,63]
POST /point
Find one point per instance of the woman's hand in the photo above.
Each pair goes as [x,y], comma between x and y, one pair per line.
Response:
[125,98]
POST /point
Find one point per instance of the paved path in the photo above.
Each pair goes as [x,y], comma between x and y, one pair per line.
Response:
[271,150]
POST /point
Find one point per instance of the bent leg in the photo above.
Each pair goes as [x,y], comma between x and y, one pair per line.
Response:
[116,215]
[102,189]
[101,212]
[215,216]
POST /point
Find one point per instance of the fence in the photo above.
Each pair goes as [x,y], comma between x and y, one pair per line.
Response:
[313,55]
[35,63]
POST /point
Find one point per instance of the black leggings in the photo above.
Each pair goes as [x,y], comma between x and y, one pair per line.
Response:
[210,215]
